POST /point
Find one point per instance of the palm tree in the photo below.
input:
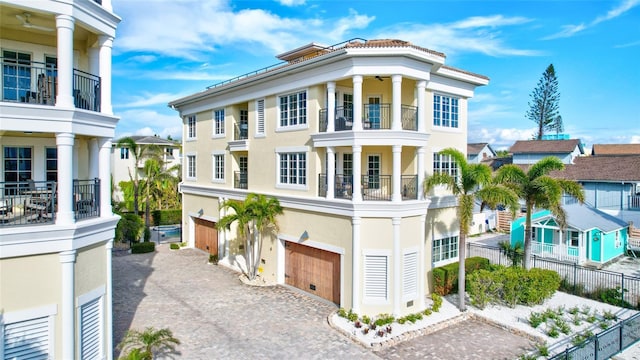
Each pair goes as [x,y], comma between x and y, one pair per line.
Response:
[474,182]
[148,343]
[539,190]
[139,152]
[256,214]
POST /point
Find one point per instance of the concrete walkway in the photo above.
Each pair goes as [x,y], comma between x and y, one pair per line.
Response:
[216,316]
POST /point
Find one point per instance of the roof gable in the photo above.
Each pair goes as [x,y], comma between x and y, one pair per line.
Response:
[615,149]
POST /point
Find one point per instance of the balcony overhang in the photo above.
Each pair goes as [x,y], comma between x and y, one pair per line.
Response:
[22,117]
[370,138]
[238,145]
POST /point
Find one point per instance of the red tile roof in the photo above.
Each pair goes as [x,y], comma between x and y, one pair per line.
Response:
[544,146]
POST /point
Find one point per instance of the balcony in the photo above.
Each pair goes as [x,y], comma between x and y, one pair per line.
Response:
[556,251]
[634,202]
[375,117]
[241,131]
[35,202]
[374,187]
[37,83]
[240,180]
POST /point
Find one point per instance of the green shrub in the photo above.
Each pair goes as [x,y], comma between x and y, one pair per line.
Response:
[535,319]
[553,332]
[167,217]
[427,312]
[543,350]
[143,247]
[213,259]
[351,316]
[174,246]
[445,278]
[129,228]
[483,290]
[366,319]
[147,234]
[437,302]
[384,319]
[342,313]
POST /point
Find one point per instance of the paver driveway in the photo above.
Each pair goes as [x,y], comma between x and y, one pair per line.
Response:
[216,316]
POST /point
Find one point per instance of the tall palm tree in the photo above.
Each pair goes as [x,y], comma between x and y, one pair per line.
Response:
[539,190]
[139,153]
[256,214]
[148,343]
[473,182]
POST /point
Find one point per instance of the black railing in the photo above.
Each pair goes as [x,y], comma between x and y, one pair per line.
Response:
[240,131]
[409,115]
[27,202]
[240,180]
[376,187]
[37,83]
[607,343]
[86,198]
[376,116]
[409,187]
[86,90]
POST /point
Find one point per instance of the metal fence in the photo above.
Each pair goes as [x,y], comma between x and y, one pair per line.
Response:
[577,279]
[607,343]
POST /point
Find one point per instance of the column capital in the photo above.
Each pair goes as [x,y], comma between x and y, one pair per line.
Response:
[356,220]
[357,79]
[65,139]
[396,78]
[396,148]
[67,256]
[356,148]
[331,85]
[105,41]
[65,21]
[396,221]
[421,84]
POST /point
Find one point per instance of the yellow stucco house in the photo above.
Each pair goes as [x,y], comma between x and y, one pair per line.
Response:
[343,136]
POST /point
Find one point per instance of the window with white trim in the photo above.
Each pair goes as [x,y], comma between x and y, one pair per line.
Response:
[191,127]
[124,153]
[293,109]
[445,111]
[191,167]
[445,249]
[410,274]
[376,277]
[218,122]
[293,168]
[260,122]
[572,238]
[218,167]
[445,164]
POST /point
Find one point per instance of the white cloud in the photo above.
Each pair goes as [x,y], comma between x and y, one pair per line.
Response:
[500,138]
[570,30]
[148,99]
[474,34]
[635,139]
[142,59]
[148,122]
[291,2]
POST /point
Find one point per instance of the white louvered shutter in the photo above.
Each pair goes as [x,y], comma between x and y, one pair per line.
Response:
[27,339]
[410,274]
[260,117]
[375,277]
[91,329]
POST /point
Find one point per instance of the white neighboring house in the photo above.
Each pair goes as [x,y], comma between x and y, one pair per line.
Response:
[123,161]
[477,152]
[56,223]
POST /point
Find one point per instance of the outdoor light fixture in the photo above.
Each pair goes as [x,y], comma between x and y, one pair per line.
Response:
[379,78]
[304,236]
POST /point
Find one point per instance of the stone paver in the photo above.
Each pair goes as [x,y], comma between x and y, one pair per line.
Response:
[215,316]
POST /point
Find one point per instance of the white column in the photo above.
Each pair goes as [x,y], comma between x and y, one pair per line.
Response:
[67,259]
[421,171]
[357,103]
[109,301]
[94,159]
[357,172]
[396,177]
[64,94]
[420,94]
[64,143]
[104,174]
[396,105]
[397,268]
[421,262]
[106,43]
[331,172]
[356,284]
[331,106]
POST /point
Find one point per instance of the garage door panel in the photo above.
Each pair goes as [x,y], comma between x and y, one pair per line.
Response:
[313,270]
[206,236]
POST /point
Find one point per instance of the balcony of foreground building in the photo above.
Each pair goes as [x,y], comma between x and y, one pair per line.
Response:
[36,83]
[30,202]
[373,187]
[374,117]
[240,180]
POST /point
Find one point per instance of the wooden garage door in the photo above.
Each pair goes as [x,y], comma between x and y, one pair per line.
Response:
[206,236]
[313,270]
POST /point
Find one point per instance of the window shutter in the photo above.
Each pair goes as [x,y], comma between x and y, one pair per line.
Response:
[91,329]
[260,117]
[27,339]
[410,274]
[375,277]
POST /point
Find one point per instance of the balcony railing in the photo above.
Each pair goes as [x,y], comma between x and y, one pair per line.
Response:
[375,117]
[556,251]
[634,202]
[374,187]
[240,180]
[409,187]
[240,132]
[27,203]
[86,195]
[37,83]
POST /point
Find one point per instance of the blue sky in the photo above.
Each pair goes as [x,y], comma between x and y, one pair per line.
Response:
[166,49]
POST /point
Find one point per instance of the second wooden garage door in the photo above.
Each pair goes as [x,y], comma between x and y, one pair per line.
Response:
[206,236]
[313,270]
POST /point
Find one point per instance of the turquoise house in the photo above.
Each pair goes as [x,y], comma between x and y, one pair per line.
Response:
[591,236]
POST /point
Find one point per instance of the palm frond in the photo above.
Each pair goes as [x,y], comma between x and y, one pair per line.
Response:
[544,166]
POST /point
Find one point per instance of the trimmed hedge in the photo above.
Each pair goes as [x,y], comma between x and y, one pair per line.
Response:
[174,246]
[512,286]
[129,228]
[167,217]
[445,278]
[143,247]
